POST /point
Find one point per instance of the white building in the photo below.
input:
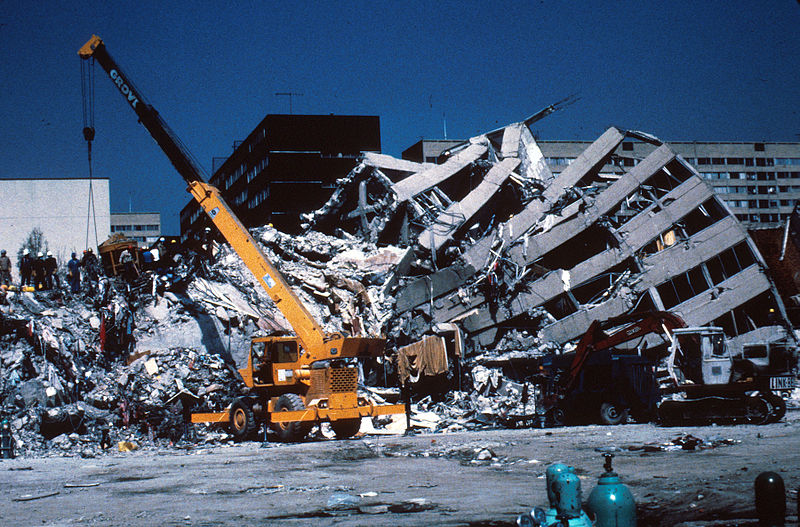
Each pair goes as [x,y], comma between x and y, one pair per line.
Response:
[144,227]
[60,209]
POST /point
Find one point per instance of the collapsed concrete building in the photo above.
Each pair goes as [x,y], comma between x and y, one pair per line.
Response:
[487,256]
[495,242]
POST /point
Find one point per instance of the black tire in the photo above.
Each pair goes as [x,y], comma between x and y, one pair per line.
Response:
[757,410]
[778,407]
[291,432]
[613,414]
[557,417]
[346,428]
[242,421]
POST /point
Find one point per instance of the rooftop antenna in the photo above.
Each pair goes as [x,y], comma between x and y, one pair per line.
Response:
[289,94]
[444,124]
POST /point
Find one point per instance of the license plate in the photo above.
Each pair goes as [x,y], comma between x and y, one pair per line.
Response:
[782,383]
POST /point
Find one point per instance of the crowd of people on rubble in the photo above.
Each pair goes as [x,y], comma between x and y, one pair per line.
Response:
[40,272]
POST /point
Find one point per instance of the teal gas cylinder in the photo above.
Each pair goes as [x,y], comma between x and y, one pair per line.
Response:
[552,473]
[567,491]
[564,495]
[611,502]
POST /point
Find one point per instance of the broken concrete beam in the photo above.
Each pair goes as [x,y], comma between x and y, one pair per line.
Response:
[590,161]
[730,294]
[539,245]
[459,214]
[510,147]
[386,162]
[637,232]
[573,326]
[682,257]
[429,178]
[426,288]
[534,165]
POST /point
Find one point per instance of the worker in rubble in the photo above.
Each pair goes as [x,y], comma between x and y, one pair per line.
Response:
[5,269]
[129,271]
[160,261]
[51,271]
[39,272]
[90,270]
[208,243]
[25,268]
[74,274]
[7,442]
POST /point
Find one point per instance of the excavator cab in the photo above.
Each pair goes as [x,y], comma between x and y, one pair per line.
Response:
[702,356]
[273,360]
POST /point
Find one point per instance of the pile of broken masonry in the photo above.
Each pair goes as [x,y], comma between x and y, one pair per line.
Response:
[488,256]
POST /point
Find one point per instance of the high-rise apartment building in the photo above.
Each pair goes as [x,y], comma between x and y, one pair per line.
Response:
[759,181]
[286,166]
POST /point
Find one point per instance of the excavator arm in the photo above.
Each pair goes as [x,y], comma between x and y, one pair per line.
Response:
[316,343]
[595,338]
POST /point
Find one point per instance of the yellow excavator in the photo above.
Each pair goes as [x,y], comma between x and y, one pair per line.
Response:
[293,382]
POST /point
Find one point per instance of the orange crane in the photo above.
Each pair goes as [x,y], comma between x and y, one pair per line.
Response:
[293,381]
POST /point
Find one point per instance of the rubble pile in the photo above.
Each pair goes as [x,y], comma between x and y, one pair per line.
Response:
[66,377]
[339,280]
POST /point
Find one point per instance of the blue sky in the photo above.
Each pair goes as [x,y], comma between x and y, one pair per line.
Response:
[681,70]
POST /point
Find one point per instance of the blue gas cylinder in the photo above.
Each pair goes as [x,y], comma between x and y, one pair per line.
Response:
[611,502]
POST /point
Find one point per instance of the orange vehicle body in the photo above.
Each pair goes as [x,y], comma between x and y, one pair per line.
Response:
[291,382]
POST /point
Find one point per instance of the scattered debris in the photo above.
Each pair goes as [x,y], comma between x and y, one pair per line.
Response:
[31,497]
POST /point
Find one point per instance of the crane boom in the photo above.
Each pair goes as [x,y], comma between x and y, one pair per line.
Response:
[309,333]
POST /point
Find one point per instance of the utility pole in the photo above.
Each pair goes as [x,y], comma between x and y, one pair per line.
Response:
[289,94]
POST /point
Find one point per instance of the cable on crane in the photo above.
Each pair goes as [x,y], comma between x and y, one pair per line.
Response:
[87,93]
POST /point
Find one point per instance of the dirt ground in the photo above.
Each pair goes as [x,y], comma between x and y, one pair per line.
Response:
[474,479]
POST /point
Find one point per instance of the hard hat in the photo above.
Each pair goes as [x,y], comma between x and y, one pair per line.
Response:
[89,249]
[26,251]
[49,253]
[161,239]
[40,254]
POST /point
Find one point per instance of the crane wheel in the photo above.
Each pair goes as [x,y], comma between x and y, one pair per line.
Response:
[613,414]
[346,428]
[242,422]
[291,432]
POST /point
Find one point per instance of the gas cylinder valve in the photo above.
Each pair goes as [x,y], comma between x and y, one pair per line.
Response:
[611,502]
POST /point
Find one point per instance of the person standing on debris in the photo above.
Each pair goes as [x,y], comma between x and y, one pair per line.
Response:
[38,272]
[51,270]
[129,271]
[5,269]
[25,268]
[89,264]
[74,274]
